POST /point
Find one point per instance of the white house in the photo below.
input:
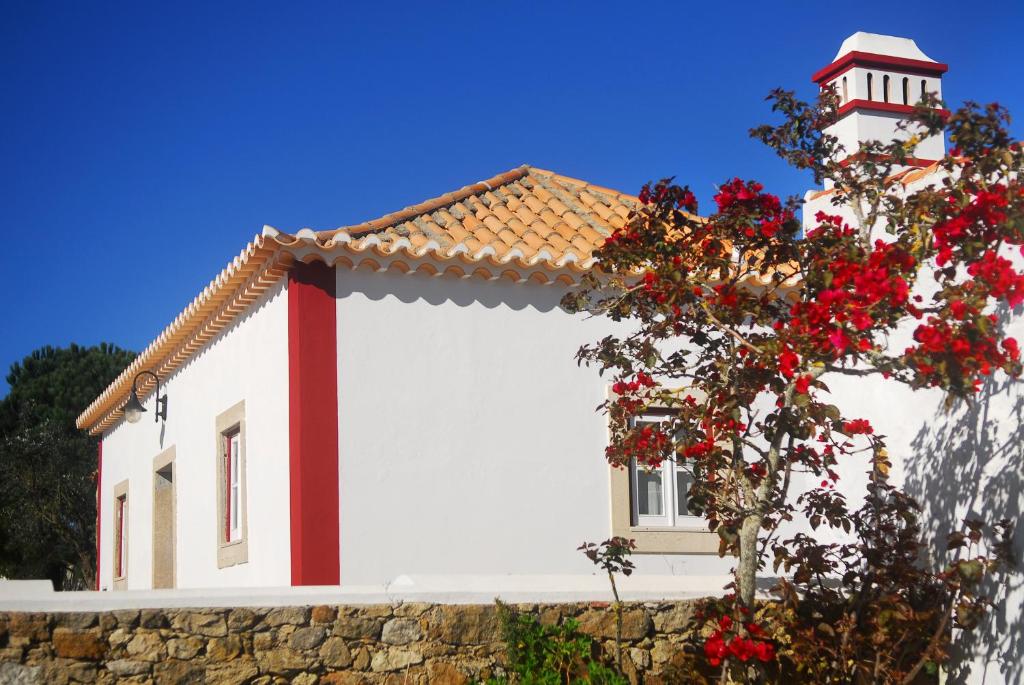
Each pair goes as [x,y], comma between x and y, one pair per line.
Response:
[399,397]
[393,398]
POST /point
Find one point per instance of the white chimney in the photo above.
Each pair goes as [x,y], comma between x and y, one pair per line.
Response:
[879,79]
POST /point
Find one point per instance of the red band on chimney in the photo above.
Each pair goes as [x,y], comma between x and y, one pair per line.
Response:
[890,107]
[313,424]
[873,60]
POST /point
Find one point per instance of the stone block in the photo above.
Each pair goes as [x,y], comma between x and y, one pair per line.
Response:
[282,661]
[323,614]
[443,673]
[224,648]
[236,672]
[175,672]
[600,623]
[127,667]
[280,616]
[79,644]
[335,653]
[358,627]
[147,645]
[307,638]
[184,648]
[464,624]
[76,620]
[401,631]
[395,659]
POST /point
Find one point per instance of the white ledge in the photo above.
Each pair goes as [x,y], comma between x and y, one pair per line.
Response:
[39,595]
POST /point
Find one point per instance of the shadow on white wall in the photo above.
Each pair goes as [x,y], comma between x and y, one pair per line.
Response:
[967,462]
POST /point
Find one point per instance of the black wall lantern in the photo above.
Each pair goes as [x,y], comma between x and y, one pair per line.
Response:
[133,408]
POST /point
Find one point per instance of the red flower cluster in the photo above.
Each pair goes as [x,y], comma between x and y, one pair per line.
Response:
[663,191]
[717,647]
[1002,279]
[643,380]
[980,220]
[858,427]
[764,212]
[962,347]
[861,290]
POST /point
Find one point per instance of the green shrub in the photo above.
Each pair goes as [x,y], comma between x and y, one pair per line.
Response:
[549,655]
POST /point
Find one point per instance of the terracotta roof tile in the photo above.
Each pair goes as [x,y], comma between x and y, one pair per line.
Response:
[527,208]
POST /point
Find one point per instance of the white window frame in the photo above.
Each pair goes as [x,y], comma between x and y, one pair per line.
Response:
[233,505]
[670,517]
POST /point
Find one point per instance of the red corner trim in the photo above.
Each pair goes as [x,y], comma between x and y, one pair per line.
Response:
[99,505]
[877,106]
[313,424]
[877,61]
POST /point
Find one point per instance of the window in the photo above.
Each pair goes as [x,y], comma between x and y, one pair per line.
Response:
[906,91]
[232,543]
[119,552]
[885,88]
[870,97]
[924,88]
[120,556]
[846,93]
[232,452]
[659,495]
[650,506]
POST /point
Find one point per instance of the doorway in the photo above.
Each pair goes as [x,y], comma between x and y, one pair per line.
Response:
[164,533]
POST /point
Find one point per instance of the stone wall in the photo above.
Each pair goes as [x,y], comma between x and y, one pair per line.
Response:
[400,644]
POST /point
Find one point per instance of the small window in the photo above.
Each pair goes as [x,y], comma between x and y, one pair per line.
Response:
[232,543]
[870,95]
[659,496]
[846,92]
[119,527]
[924,88]
[233,493]
[121,537]
[885,88]
[906,91]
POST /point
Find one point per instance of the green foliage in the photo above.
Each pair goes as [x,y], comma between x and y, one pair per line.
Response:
[59,382]
[549,655]
[48,467]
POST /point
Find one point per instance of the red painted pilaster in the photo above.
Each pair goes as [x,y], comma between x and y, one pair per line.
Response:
[313,424]
[99,505]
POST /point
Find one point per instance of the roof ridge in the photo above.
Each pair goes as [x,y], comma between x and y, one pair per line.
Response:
[584,212]
[584,185]
[432,204]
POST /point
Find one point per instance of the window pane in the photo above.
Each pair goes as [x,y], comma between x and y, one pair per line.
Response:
[648,493]
[682,493]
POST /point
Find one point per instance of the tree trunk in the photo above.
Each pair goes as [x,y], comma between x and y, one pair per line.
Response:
[746,570]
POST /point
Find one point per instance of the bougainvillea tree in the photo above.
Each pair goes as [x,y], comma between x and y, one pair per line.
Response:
[739,322]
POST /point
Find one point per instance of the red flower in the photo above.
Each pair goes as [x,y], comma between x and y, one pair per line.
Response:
[742,648]
[1010,345]
[803,384]
[858,427]
[788,361]
[714,648]
[764,651]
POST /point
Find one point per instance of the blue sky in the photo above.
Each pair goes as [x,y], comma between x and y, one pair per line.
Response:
[143,145]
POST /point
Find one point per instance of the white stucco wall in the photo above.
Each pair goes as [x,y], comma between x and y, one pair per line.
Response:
[248,361]
[467,434]
[960,462]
